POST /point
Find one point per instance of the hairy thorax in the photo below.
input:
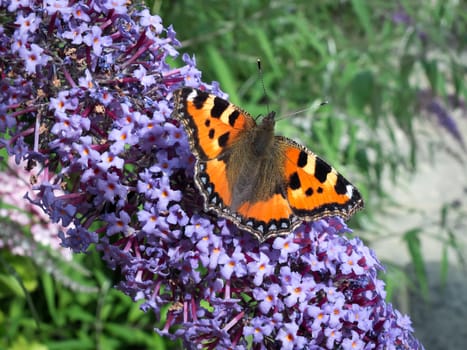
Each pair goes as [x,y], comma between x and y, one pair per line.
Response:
[256,154]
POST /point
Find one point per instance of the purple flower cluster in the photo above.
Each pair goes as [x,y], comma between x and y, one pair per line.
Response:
[86,97]
[428,101]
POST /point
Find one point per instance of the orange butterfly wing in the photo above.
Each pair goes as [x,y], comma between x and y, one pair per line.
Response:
[314,188]
[211,122]
[269,218]
[213,125]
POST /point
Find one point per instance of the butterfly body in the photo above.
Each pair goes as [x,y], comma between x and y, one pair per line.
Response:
[265,184]
[253,172]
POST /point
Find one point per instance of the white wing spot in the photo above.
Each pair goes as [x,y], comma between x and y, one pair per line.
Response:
[192,95]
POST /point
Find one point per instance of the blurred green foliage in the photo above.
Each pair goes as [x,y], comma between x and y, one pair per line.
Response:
[371,60]
[48,315]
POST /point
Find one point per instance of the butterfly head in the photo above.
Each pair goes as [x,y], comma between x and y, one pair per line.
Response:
[268,122]
[263,135]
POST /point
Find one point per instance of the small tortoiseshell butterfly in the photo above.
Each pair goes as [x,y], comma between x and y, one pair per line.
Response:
[265,184]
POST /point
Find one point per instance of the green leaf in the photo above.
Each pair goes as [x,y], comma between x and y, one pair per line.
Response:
[352,147]
[9,286]
[395,279]
[21,343]
[444,265]
[206,305]
[431,71]
[363,14]
[265,44]
[154,6]
[412,239]
[122,331]
[406,66]
[453,243]
[223,73]
[72,344]
[321,133]
[312,37]
[49,294]
[361,90]
[444,214]
[78,313]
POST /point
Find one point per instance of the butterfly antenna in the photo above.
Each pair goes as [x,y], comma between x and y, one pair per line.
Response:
[260,73]
[312,109]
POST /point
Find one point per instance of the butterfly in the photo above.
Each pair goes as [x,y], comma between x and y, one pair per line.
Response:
[265,184]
